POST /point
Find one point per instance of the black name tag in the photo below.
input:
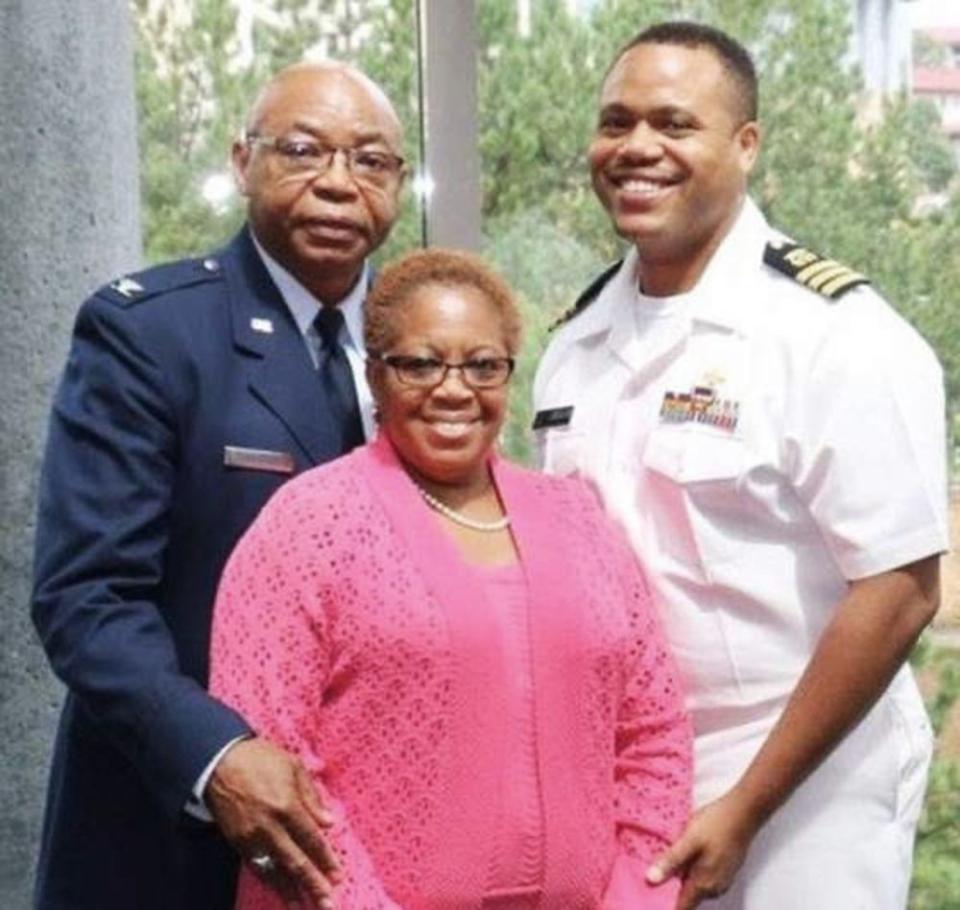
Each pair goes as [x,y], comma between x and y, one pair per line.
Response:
[553,417]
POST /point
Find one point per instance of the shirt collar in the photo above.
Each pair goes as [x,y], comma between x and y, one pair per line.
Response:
[599,315]
[717,297]
[303,305]
[720,296]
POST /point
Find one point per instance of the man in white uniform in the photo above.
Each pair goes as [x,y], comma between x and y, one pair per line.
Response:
[771,435]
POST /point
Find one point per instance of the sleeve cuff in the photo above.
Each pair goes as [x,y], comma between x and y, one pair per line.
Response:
[196,805]
[892,555]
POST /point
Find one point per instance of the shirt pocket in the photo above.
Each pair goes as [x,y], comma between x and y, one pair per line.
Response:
[561,450]
[697,478]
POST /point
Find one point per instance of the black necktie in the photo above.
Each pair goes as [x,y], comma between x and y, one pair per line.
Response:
[337,378]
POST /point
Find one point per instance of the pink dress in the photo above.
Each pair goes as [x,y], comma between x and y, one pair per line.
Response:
[349,629]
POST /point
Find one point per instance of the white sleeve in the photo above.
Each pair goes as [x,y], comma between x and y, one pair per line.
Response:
[869,443]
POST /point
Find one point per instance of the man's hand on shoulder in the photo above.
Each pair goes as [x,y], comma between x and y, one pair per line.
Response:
[266,806]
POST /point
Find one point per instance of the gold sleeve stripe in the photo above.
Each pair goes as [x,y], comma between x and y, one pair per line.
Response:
[827,275]
[812,272]
[841,283]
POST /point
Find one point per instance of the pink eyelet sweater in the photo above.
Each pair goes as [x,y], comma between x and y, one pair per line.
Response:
[349,630]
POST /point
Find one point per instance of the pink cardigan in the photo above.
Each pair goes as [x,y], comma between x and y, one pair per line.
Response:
[348,630]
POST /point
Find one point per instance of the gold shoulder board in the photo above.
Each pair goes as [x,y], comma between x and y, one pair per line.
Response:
[825,276]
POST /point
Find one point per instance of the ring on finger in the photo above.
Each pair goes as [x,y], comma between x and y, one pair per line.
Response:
[263,863]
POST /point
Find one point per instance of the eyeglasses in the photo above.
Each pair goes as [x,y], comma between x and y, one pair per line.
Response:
[429,372]
[298,155]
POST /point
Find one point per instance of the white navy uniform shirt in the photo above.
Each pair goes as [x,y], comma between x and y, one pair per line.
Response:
[763,446]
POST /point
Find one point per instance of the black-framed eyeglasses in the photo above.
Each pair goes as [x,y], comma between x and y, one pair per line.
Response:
[306,156]
[429,372]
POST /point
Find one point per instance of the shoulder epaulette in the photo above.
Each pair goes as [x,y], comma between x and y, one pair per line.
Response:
[825,276]
[587,297]
[161,279]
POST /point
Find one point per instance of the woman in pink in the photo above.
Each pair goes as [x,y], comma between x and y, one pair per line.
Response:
[461,651]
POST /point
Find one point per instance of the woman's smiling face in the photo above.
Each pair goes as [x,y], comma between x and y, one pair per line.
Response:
[445,432]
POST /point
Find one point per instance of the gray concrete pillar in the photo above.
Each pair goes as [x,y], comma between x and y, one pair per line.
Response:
[69,222]
[452,156]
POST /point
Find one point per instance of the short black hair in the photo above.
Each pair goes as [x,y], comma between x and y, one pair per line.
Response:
[734,57]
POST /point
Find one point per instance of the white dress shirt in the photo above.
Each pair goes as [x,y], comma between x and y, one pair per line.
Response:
[303,307]
[764,448]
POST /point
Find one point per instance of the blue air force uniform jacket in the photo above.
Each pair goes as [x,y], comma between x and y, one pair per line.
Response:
[171,373]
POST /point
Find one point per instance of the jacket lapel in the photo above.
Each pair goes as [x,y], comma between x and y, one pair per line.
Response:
[284,379]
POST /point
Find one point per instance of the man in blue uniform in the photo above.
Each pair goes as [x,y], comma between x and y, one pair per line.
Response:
[191,392]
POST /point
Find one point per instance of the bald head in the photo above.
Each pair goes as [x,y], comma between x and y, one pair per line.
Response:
[322,167]
[334,79]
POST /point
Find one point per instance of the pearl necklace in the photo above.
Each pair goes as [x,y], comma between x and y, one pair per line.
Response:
[453,515]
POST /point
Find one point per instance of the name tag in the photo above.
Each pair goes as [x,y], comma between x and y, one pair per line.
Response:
[258,460]
[553,417]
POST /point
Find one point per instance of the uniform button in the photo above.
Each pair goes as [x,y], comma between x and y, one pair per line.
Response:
[211,265]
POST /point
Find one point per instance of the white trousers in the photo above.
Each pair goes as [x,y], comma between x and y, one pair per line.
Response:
[844,840]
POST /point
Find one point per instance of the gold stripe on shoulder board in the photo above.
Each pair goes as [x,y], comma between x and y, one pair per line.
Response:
[825,276]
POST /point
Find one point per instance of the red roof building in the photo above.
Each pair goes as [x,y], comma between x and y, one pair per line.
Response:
[941,84]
